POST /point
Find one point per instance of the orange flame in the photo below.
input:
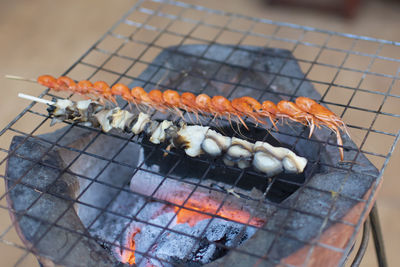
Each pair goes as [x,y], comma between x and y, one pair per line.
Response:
[128,255]
[193,217]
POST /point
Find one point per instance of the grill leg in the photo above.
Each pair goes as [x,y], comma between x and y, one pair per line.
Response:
[378,237]
[364,244]
[371,223]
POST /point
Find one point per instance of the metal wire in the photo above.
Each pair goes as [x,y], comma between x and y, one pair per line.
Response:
[271,39]
[378,237]
[363,246]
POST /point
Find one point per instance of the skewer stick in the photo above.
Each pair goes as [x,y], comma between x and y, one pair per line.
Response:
[19,78]
[36,99]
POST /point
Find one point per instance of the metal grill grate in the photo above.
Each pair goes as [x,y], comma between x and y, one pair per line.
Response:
[345,69]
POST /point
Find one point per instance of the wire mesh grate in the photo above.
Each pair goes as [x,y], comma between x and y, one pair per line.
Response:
[345,69]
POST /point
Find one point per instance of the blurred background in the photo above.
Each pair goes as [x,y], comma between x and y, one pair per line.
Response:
[45,36]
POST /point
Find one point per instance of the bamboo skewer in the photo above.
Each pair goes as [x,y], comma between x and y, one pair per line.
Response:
[19,78]
[36,99]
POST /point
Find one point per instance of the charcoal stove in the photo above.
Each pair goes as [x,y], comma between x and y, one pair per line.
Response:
[69,192]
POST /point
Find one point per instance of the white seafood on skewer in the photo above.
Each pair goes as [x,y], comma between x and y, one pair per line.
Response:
[193,139]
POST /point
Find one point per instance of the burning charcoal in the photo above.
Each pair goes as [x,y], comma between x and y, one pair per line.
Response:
[176,248]
[146,240]
[180,247]
[202,199]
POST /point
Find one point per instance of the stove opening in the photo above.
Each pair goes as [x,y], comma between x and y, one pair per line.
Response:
[187,223]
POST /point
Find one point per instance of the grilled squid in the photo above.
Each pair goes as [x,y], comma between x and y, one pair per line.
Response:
[195,140]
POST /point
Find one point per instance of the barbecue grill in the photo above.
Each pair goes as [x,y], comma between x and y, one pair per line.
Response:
[68,191]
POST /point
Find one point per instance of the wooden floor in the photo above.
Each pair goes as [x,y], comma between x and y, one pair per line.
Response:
[47,36]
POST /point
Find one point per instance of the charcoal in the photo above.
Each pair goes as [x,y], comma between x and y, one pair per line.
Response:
[180,247]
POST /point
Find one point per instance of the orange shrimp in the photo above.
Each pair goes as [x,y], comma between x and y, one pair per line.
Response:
[123,91]
[188,102]
[140,95]
[270,110]
[223,107]
[102,89]
[48,81]
[248,106]
[339,140]
[203,102]
[324,116]
[156,96]
[65,83]
[320,112]
[172,98]
[84,87]
[305,103]
[294,113]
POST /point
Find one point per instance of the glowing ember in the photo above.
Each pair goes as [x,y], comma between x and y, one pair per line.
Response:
[208,206]
[189,216]
[128,255]
[201,200]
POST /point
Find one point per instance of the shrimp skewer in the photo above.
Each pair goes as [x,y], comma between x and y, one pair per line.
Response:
[305,110]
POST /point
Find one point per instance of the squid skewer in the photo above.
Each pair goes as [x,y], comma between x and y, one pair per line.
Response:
[193,139]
